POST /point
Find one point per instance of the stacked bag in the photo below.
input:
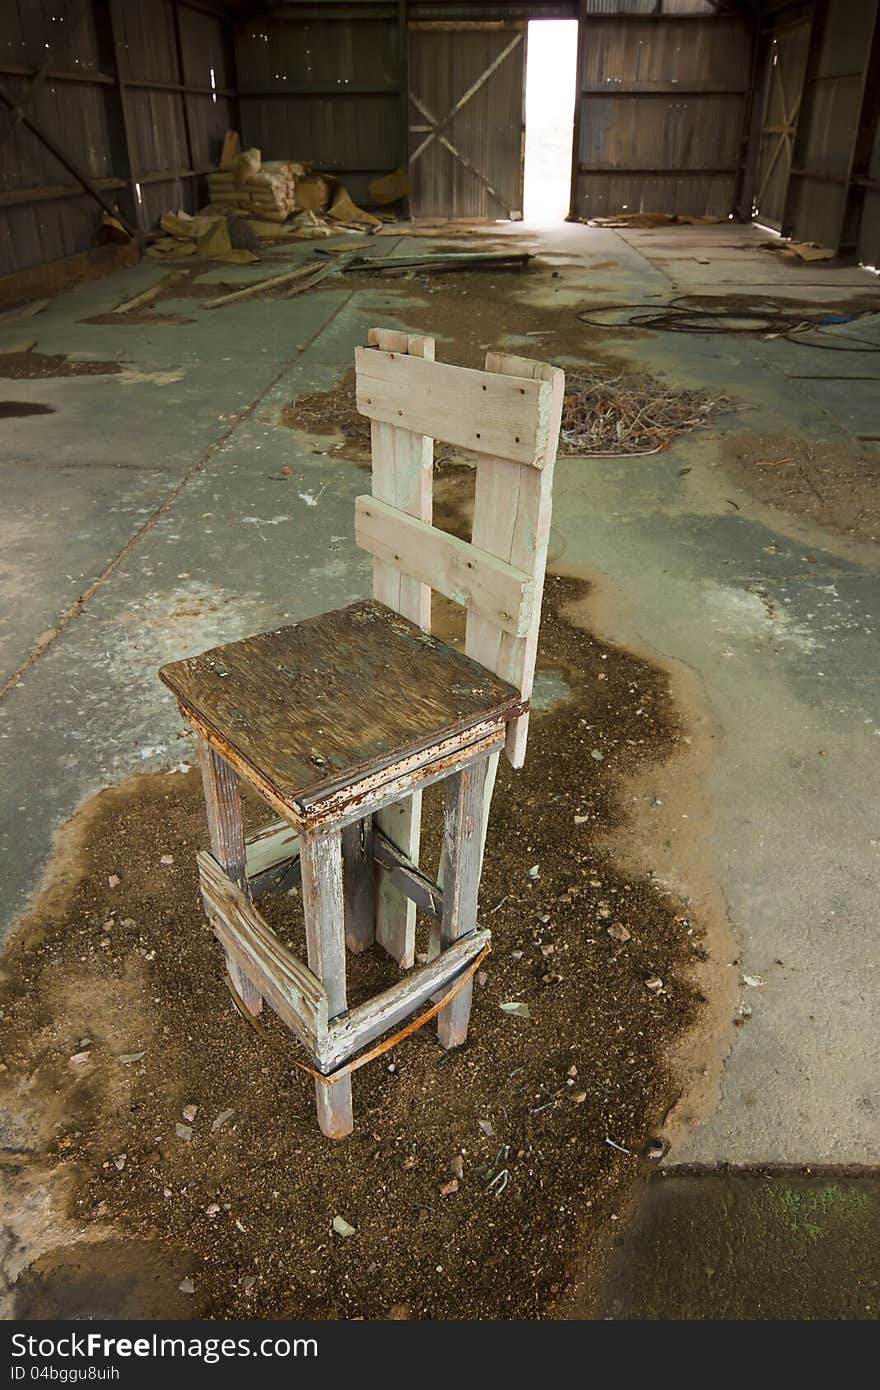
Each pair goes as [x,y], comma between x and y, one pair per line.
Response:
[268,191]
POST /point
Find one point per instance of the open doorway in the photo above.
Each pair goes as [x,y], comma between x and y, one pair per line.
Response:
[551,80]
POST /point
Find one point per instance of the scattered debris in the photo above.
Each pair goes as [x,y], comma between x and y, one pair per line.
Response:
[189,1112]
[487,1127]
[113,881]
[448,1188]
[618,1147]
[630,414]
[753,981]
[798,250]
[457,1166]
[618,932]
[222,1120]
[389,188]
[183,1131]
[128,1058]
[343,1228]
[306,275]
[654,984]
[186,1286]
[440,264]
[166,859]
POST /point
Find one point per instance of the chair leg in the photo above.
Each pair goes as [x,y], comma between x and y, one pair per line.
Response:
[359,887]
[395,913]
[226,833]
[460,866]
[323,909]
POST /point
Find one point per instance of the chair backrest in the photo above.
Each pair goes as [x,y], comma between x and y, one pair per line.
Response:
[509,415]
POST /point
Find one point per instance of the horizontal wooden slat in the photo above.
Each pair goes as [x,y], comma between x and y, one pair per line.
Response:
[286,984]
[491,414]
[472,577]
[353,1030]
[406,876]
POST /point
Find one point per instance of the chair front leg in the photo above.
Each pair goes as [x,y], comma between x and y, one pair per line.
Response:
[226,834]
[323,908]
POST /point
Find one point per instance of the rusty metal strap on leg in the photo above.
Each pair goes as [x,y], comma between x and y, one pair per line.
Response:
[411,1026]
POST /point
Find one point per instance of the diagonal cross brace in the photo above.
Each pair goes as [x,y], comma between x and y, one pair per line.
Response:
[465,97]
[457,154]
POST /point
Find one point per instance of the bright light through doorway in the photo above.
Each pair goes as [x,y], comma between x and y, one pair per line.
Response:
[551,73]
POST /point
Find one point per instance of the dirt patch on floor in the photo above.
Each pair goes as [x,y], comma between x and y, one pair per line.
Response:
[116,1018]
[144,319]
[606,413]
[23,366]
[831,484]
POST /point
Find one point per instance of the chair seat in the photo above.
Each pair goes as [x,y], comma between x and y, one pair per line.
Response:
[322,708]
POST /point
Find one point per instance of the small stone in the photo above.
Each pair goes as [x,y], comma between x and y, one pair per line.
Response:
[753,981]
[186,1286]
[166,859]
[113,881]
[189,1112]
[166,1192]
[534,871]
[222,1120]
[548,950]
[581,820]
[578,1097]
[212,1209]
[487,1127]
[126,1058]
[572,1071]
[119,1160]
[599,757]
[604,913]
[248,1282]
[343,1228]
[517,1009]
[448,1188]
[457,1167]
[183,1131]
[654,984]
[618,932]
[411,1161]
[79,1059]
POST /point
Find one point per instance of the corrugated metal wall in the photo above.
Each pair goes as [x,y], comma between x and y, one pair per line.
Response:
[326,90]
[834,92]
[478,171]
[662,110]
[137,94]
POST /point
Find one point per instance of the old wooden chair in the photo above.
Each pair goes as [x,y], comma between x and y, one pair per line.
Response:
[340,721]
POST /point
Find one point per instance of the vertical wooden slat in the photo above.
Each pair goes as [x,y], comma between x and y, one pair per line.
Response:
[460,866]
[403,477]
[226,834]
[358,884]
[323,910]
[512,512]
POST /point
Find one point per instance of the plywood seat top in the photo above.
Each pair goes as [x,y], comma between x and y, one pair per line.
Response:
[312,709]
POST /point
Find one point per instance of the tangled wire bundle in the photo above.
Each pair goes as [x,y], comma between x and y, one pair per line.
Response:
[630,414]
[693,313]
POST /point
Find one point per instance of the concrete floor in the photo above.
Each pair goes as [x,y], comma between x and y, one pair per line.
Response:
[157,490]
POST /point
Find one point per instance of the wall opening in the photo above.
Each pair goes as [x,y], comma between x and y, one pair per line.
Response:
[551,80]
